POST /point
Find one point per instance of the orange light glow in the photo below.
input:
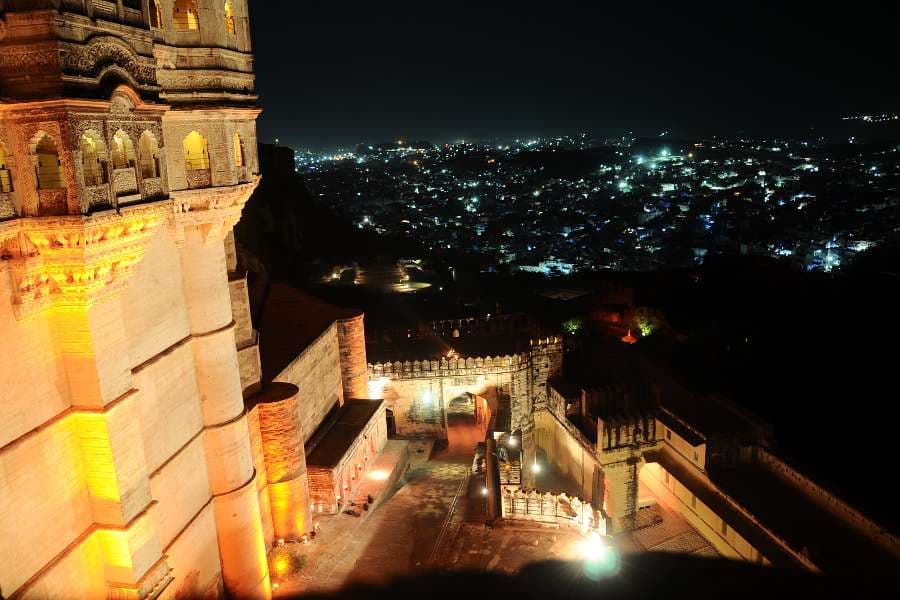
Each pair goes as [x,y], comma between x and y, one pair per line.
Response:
[378,475]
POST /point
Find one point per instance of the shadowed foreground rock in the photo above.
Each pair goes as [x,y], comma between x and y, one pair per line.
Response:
[643,576]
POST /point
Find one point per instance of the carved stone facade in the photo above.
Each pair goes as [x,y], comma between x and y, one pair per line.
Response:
[125,443]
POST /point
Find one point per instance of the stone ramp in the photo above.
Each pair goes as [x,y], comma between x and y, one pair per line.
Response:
[832,544]
[382,476]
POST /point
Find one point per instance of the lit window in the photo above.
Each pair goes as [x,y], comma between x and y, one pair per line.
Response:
[196,152]
[49,168]
[93,151]
[149,157]
[229,17]
[155,14]
[238,150]
[122,151]
[5,176]
[185,16]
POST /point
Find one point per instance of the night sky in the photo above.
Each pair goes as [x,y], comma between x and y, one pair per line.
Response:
[333,73]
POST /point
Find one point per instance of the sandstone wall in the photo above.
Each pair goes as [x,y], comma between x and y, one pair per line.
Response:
[153,305]
[44,503]
[27,342]
[317,373]
[419,392]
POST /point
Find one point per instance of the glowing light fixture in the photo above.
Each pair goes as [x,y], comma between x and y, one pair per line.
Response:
[600,560]
[378,475]
[593,548]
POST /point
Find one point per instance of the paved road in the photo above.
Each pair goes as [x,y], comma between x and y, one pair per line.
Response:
[400,535]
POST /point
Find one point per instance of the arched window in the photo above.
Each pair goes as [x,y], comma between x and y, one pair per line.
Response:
[184,16]
[229,17]
[122,151]
[238,150]
[93,152]
[196,152]
[5,175]
[48,168]
[155,14]
[149,156]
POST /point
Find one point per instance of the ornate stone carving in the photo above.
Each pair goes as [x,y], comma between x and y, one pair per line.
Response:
[125,181]
[72,261]
[198,178]
[193,80]
[42,56]
[52,202]
[152,187]
[214,210]
[103,53]
[96,195]
[7,209]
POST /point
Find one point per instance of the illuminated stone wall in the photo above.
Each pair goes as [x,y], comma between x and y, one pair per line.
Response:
[317,372]
[281,439]
[332,488]
[419,392]
[127,466]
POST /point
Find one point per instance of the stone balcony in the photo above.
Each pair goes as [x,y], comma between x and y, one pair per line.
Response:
[53,202]
[7,209]
[125,181]
[198,178]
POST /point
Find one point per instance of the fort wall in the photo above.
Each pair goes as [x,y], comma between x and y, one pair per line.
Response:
[317,373]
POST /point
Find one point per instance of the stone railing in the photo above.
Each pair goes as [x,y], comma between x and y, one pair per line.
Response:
[152,187]
[53,201]
[559,509]
[198,178]
[448,367]
[830,502]
[7,210]
[125,181]
[96,195]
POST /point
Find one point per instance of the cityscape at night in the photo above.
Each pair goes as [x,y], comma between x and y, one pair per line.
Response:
[452,299]
[561,205]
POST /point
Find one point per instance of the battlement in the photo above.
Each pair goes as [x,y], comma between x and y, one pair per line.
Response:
[453,365]
[448,366]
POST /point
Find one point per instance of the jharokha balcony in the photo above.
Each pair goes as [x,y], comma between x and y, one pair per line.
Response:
[199,178]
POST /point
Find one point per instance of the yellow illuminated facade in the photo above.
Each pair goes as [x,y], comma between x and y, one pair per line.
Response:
[125,444]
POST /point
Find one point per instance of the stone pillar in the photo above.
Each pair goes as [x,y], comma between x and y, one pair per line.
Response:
[352,343]
[529,458]
[226,436]
[492,479]
[282,441]
[620,489]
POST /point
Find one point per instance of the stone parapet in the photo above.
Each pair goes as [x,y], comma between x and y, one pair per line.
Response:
[452,367]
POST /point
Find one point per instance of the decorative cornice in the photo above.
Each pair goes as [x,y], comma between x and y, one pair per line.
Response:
[215,211]
[70,262]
